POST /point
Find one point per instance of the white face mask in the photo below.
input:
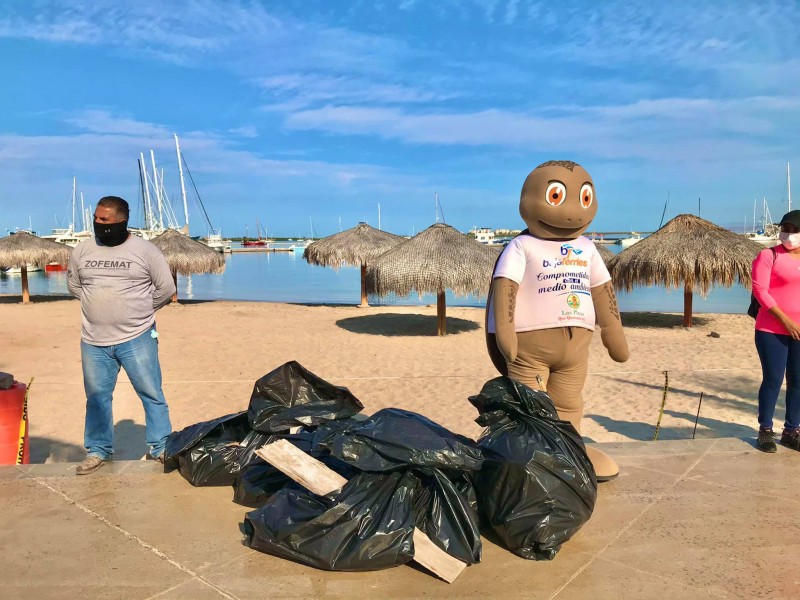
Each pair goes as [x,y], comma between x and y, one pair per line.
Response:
[790,240]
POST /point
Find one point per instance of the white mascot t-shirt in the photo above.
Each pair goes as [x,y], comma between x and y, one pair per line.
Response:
[555,281]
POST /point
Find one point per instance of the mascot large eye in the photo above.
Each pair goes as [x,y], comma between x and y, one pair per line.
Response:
[556,193]
[587,195]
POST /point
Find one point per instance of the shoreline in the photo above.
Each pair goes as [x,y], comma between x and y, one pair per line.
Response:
[34,298]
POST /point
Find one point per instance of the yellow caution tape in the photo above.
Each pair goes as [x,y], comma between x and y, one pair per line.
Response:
[23,425]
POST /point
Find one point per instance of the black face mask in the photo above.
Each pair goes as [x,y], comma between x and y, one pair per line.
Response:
[111,234]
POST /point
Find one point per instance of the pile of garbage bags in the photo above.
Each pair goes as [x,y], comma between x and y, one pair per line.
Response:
[527,477]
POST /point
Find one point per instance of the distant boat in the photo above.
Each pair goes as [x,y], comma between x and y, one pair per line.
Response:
[300,245]
[18,270]
[70,236]
[767,232]
[215,242]
[259,241]
[630,241]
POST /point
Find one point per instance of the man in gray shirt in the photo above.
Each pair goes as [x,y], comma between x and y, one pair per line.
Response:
[121,281]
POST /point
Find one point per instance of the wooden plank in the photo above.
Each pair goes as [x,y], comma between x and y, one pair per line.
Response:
[319,479]
[436,560]
[299,466]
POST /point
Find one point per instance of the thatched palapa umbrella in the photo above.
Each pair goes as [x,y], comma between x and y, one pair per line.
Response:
[604,252]
[22,249]
[436,259]
[355,247]
[186,256]
[687,252]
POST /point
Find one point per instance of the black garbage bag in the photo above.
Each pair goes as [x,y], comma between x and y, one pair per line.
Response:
[393,438]
[537,486]
[291,395]
[214,452]
[368,525]
[258,480]
[446,511]
[445,505]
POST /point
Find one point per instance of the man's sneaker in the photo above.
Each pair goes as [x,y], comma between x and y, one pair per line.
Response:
[89,464]
[158,459]
[765,442]
[791,438]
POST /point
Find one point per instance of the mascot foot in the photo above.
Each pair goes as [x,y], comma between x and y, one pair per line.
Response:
[604,466]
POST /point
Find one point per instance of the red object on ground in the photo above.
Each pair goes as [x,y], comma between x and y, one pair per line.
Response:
[14,448]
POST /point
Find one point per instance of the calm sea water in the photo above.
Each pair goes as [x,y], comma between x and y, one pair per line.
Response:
[286,277]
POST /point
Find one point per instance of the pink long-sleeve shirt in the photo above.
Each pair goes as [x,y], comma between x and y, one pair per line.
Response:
[776,280]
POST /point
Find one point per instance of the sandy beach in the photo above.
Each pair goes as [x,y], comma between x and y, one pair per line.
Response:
[212,352]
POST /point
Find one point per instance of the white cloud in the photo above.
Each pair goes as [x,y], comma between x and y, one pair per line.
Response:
[107,148]
[675,129]
[303,89]
[248,131]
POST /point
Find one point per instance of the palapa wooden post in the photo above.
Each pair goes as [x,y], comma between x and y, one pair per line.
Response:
[441,314]
[687,306]
[26,297]
[175,279]
[320,480]
[364,285]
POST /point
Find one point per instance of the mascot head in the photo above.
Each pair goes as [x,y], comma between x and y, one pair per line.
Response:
[558,200]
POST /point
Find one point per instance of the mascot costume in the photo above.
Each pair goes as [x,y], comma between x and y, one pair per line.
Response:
[549,289]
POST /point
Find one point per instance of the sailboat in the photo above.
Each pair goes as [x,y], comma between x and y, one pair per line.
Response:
[259,241]
[300,245]
[156,207]
[71,236]
[768,232]
[214,238]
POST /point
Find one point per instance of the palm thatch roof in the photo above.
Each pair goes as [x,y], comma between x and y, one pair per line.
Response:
[686,252]
[186,256]
[354,247]
[437,259]
[604,252]
[21,249]
[690,253]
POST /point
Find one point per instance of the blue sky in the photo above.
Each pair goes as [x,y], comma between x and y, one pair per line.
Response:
[318,111]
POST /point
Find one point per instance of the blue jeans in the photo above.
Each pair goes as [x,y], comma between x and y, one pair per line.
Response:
[139,358]
[779,355]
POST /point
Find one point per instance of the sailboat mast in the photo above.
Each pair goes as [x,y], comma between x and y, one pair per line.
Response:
[72,223]
[789,185]
[157,189]
[147,205]
[183,185]
[83,215]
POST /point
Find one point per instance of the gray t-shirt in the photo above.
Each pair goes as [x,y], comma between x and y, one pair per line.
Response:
[120,288]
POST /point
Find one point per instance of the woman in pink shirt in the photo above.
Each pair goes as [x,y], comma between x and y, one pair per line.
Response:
[776,286]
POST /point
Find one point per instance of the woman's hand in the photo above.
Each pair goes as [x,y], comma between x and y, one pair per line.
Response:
[793,328]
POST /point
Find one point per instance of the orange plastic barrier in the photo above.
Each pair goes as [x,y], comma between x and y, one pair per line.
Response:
[14,426]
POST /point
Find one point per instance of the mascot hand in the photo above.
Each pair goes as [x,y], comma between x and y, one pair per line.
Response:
[507,345]
[504,299]
[614,341]
[607,312]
